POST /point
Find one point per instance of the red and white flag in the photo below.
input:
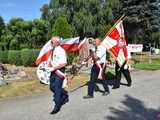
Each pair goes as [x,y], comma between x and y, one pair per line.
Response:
[69,45]
[72,44]
[115,43]
[45,53]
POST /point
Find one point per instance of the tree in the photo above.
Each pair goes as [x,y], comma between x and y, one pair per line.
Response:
[45,12]
[142,18]
[62,28]
[87,16]
[2,27]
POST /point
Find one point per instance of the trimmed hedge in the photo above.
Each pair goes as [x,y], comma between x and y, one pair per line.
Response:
[29,56]
[14,57]
[26,57]
[4,57]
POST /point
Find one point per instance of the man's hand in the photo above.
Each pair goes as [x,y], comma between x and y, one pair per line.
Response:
[50,69]
[125,66]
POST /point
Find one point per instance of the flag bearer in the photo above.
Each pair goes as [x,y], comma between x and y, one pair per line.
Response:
[57,68]
[98,55]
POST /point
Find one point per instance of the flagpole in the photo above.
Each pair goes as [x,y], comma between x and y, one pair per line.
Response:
[121,18]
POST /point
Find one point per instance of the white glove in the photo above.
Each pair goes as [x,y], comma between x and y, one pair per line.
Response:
[125,66]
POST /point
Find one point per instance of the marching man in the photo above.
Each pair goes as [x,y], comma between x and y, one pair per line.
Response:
[98,55]
[57,68]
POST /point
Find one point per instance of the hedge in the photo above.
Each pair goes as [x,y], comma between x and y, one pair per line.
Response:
[4,57]
[14,57]
[29,56]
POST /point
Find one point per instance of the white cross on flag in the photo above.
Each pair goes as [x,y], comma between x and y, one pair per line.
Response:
[115,43]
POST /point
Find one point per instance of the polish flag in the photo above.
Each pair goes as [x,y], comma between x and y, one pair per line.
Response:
[115,43]
[72,44]
[45,53]
[69,45]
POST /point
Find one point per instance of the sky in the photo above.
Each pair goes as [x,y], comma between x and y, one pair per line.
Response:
[26,9]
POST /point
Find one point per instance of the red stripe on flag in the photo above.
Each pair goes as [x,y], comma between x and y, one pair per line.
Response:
[44,57]
[70,47]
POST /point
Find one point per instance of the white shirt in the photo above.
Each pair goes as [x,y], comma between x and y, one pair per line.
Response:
[59,56]
[101,53]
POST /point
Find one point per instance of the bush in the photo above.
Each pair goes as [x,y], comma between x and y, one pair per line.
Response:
[29,56]
[14,57]
[4,56]
[70,57]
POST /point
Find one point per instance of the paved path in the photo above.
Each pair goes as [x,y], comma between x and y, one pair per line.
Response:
[139,102]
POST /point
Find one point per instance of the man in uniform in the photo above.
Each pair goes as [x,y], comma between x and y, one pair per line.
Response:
[98,55]
[57,69]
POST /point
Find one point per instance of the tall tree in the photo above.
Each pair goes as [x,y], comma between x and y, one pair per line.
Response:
[87,16]
[2,26]
[142,19]
[62,28]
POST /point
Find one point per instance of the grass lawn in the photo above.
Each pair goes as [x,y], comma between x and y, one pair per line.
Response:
[148,66]
[146,62]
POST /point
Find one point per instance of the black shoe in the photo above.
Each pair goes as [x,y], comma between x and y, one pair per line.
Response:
[65,101]
[55,110]
[129,84]
[105,93]
[115,87]
[87,97]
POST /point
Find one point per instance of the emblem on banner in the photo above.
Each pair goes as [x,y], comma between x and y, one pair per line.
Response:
[42,73]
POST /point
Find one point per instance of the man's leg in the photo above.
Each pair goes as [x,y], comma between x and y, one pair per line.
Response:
[57,94]
[65,97]
[105,84]
[106,88]
[91,84]
[127,76]
[117,76]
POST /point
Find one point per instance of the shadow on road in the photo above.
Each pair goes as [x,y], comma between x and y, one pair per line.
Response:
[135,110]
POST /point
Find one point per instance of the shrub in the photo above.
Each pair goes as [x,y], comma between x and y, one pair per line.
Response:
[70,57]
[4,56]
[14,57]
[29,56]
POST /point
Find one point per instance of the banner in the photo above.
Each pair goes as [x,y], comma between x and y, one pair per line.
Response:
[115,43]
[135,47]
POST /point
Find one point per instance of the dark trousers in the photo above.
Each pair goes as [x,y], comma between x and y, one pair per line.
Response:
[93,78]
[60,94]
[126,73]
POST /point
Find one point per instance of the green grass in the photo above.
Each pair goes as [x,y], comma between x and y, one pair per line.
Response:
[146,62]
[148,66]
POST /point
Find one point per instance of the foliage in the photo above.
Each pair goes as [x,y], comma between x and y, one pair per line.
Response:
[14,57]
[2,27]
[62,28]
[29,57]
[142,19]
[71,57]
[87,16]
[45,12]
[3,56]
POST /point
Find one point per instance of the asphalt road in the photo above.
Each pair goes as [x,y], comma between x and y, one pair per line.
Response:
[138,102]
